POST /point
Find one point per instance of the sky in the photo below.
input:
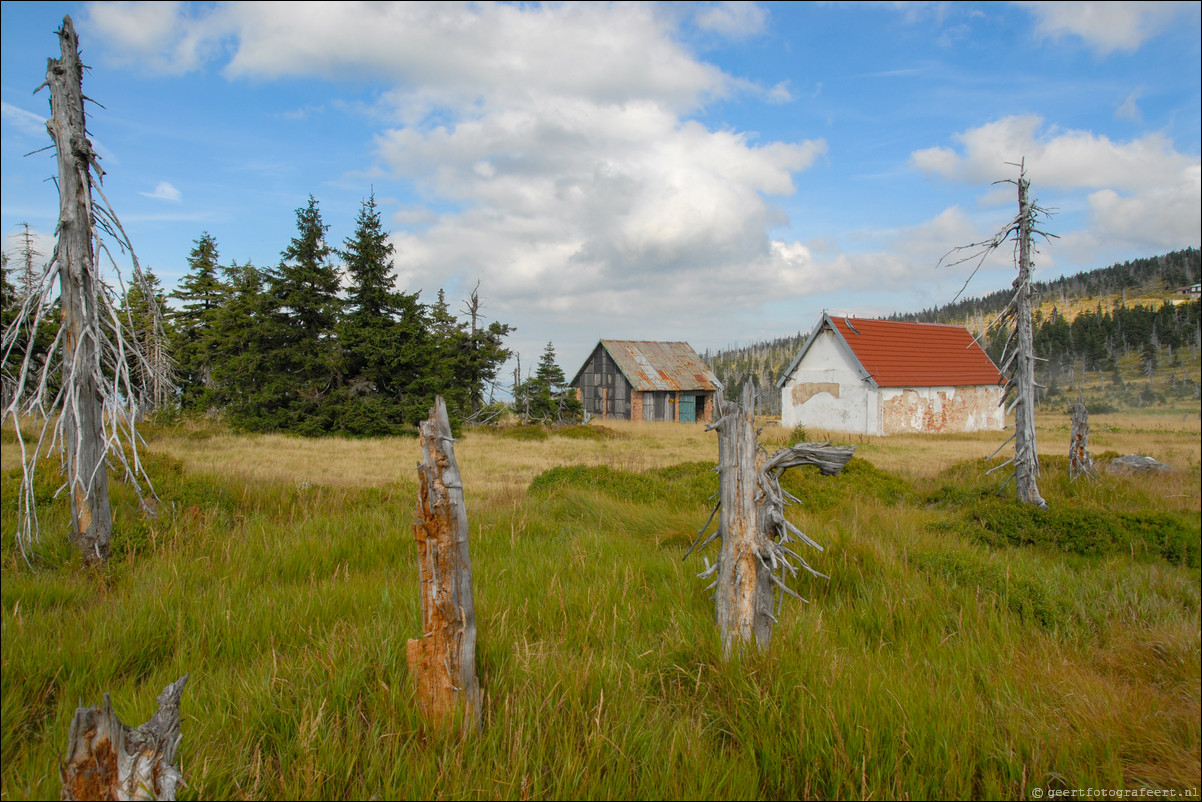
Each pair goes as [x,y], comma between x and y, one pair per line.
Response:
[719,173]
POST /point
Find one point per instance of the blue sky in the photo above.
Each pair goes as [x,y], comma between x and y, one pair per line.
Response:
[718,173]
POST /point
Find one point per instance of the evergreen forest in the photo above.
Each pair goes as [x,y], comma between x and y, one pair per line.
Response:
[321,343]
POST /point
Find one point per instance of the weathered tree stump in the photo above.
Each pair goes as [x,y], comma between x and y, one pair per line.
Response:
[1080,462]
[109,760]
[755,555]
[443,661]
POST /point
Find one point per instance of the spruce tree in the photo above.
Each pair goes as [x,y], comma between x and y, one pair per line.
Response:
[201,294]
[244,344]
[382,337]
[304,367]
[546,394]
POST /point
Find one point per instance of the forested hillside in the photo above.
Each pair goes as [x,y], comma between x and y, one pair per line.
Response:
[1122,334]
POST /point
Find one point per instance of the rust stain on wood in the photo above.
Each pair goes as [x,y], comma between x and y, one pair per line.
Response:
[443,661]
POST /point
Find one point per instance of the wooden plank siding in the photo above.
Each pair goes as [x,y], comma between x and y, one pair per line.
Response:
[606,391]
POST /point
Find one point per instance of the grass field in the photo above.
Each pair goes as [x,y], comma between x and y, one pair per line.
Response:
[964,647]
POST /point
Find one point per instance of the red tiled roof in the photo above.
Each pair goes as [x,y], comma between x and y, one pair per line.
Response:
[900,354]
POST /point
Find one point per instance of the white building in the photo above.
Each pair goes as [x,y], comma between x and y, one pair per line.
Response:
[878,377]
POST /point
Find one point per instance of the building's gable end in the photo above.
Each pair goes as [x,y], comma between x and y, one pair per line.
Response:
[825,324]
[602,388]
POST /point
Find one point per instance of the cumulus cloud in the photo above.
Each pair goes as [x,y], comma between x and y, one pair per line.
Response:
[1054,157]
[163,191]
[165,37]
[559,135]
[1105,26]
[1163,218]
[1142,194]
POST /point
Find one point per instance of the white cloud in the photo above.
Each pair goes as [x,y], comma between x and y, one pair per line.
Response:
[163,36]
[24,121]
[1142,195]
[1055,158]
[780,93]
[1161,219]
[163,191]
[737,20]
[1129,110]
[1105,26]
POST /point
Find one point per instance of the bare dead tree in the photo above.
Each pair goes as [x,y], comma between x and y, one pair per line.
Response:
[29,255]
[1080,462]
[1018,356]
[110,760]
[87,418]
[443,661]
[757,553]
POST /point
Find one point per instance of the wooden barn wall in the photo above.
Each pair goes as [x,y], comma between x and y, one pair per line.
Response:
[604,391]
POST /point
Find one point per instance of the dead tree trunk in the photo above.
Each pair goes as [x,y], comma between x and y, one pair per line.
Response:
[85,445]
[1026,457]
[443,661]
[1018,356]
[1080,462]
[756,553]
[109,760]
[743,596]
[85,399]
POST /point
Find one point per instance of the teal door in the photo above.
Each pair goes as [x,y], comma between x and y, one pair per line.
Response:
[688,409]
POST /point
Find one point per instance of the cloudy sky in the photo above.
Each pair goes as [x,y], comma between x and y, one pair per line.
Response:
[719,173]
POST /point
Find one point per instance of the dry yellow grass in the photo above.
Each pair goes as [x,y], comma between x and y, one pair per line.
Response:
[493,465]
[496,466]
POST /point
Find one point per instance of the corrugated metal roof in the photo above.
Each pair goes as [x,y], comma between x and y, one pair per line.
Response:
[660,366]
[898,354]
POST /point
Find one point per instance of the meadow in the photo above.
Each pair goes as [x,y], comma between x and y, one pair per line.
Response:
[963,647]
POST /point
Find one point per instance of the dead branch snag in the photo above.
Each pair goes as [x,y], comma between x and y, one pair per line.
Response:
[109,760]
[443,661]
[756,554]
[1080,462]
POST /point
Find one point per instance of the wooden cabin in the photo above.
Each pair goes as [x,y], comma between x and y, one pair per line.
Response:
[648,381]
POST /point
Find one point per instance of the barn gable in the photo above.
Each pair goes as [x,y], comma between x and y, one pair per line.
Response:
[884,377]
[645,380]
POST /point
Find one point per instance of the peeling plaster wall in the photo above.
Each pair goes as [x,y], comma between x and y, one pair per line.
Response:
[827,392]
[941,409]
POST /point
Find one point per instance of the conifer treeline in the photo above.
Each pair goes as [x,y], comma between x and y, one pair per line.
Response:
[305,348]
[760,364]
[1116,345]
